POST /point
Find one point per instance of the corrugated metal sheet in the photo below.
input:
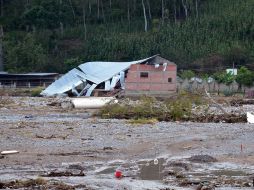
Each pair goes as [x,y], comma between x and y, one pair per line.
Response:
[95,72]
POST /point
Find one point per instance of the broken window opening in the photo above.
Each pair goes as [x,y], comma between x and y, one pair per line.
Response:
[169,80]
[144,75]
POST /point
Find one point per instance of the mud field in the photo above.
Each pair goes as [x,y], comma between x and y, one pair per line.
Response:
[83,152]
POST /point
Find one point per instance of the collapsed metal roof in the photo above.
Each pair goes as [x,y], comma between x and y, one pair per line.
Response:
[94,72]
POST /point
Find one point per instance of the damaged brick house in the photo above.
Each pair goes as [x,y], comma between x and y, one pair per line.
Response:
[154,76]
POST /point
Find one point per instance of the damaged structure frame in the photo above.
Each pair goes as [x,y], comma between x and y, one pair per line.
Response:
[90,75]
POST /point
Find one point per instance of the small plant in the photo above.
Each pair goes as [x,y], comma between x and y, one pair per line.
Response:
[36,91]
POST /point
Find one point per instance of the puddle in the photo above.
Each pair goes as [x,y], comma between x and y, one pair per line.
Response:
[151,171]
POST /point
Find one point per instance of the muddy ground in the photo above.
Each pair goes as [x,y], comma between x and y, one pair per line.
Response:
[72,147]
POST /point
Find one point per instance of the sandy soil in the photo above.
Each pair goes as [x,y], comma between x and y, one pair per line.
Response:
[50,138]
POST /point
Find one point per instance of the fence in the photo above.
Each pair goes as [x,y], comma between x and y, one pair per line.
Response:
[212,87]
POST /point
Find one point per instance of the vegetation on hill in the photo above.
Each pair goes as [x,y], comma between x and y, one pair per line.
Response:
[56,35]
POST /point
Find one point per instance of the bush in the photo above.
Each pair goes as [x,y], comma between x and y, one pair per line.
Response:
[148,108]
[36,91]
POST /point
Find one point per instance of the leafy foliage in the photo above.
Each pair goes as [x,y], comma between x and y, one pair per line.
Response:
[148,108]
[245,77]
[212,37]
[25,56]
[187,74]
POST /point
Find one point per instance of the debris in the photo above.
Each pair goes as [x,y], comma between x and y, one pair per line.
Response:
[44,137]
[87,139]
[218,105]
[202,158]
[84,154]
[63,174]
[92,102]
[28,116]
[240,102]
[155,161]
[187,147]
[39,183]
[107,148]
[51,137]
[250,117]
[66,104]
[6,152]
[57,104]
[180,165]
[118,174]
[18,184]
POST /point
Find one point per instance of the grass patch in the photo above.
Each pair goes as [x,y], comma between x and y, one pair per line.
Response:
[142,121]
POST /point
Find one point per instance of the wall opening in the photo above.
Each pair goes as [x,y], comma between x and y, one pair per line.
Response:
[169,80]
[144,75]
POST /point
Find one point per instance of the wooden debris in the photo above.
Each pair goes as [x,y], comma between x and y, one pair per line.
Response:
[63,174]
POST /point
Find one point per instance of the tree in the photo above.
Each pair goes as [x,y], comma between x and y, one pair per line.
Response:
[224,78]
[187,74]
[244,78]
[26,56]
[228,79]
[219,78]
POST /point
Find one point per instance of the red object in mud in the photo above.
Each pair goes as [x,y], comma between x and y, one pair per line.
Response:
[118,174]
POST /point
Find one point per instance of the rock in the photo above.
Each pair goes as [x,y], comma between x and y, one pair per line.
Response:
[67,105]
[246,184]
[202,159]
[206,188]
[28,116]
[107,148]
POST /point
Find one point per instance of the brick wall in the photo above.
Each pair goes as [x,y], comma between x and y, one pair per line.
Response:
[156,83]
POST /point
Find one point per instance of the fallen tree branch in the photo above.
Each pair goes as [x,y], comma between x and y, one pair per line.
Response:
[217,104]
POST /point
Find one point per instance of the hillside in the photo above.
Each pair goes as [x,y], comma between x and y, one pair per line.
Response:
[56,35]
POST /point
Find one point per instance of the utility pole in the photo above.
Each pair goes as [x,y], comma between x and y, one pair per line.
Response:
[233,68]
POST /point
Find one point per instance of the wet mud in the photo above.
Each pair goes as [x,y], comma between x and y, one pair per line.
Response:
[77,151]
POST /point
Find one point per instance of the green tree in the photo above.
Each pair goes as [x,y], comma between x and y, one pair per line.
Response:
[26,56]
[219,78]
[187,74]
[228,79]
[244,78]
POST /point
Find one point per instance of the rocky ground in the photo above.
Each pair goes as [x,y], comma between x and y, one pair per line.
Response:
[83,152]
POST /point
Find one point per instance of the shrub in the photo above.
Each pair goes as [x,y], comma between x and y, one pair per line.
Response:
[36,91]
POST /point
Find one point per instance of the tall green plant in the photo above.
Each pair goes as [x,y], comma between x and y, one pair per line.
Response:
[244,78]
